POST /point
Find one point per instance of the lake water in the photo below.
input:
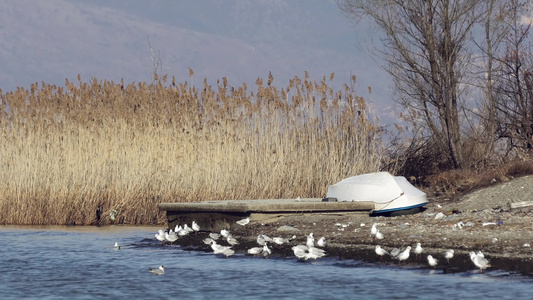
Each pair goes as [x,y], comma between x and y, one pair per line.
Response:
[80,263]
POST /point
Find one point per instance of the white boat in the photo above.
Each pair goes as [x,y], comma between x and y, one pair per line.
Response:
[389,193]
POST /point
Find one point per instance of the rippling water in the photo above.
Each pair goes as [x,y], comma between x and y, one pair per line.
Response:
[80,263]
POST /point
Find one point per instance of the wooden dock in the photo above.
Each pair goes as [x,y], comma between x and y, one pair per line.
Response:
[217,215]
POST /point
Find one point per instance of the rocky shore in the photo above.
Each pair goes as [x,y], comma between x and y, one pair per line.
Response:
[478,221]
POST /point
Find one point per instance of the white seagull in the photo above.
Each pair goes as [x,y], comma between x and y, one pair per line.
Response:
[195,226]
[418,249]
[432,261]
[158,271]
[315,253]
[310,240]
[300,251]
[448,254]
[266,251]
[280,240]
[214,235]
[224,233]
[373,230]
[379,235]
[171,236]
[228,252]
[404,255]
[160,236]
[255,250]
[217,249]
[263,239]
[380,251]
[243,221]
[231,240]
[322,242]
[479,260]
[116,247]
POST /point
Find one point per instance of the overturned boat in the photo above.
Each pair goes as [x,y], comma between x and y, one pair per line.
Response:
[390,194]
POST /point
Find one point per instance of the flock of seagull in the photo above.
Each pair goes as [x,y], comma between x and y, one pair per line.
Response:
[478,258]
[310,250]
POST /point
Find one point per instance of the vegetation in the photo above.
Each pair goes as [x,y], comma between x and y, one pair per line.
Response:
[99,152]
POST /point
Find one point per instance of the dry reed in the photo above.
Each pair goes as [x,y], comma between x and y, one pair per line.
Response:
[100,152]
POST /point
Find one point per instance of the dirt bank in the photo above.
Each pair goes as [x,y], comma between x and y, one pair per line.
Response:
[479,221]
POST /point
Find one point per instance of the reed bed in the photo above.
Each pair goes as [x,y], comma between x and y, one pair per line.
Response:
[100,152]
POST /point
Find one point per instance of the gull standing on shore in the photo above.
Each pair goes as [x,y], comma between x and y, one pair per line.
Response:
[448,254]
[374,230]
[310,240]
[380,251]
[404,255]
[160,236]
[479,260]
[243,221]
[379,235]
[418,249]
[195,226]
[158,271]
[432,261]
[322,242]
[255,250]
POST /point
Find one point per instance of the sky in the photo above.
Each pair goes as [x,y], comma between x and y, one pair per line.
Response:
[50,41]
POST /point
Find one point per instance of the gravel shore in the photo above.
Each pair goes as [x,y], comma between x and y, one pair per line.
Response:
[478,221]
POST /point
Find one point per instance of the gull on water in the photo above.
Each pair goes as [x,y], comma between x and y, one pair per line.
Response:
[243,221]
[479,260]
[404,255]
[116,247]
[322,242]
[432,261]
[228,252]
[380,251]
[448,254]
[418,249]
[157,271]
[310,240]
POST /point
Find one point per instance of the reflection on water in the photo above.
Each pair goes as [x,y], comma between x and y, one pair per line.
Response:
[80,262]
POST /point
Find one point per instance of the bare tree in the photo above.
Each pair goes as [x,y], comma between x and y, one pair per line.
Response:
[513,88]
[424,45]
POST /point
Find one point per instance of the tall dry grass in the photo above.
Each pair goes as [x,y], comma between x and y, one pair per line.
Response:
[101,148]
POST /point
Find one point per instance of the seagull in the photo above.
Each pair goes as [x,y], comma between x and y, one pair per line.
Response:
[160,236]
[231,240]
[243,221]
[228,252]
[208,241]
[171,236]
[224,233]
[479,260]
[158,271]
[255,250]
[380,251]
[379,235]
[432,261]
[187,228]
[374,230]
[195,226]
[300,251]
[310,240]
[181,231]
[315,253]
[280,240]
[266,251]
[418,249]
[404,255]
[116,247]
[394,252]
[263,239]
[214,235]
[448,254]
[217,249]
[322,242]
